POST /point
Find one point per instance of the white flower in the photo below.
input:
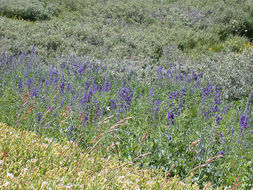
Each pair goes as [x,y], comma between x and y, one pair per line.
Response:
[44,183]
[24,170]
[10,175]
[33,160]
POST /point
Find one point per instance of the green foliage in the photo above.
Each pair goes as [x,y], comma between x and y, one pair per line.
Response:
[27,9]
[233,73]
[127,29]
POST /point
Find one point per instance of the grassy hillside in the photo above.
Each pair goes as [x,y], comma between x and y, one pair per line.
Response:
[32,162]
[173,79]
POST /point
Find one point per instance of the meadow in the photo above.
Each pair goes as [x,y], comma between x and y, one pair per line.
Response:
[163,85]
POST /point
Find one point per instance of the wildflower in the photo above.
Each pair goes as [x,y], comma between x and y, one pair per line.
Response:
[38,117]
[107,85]
[215,109]
[62,87]
[218,119]
[159,71]
[113,104]
[243,121]
[206,91]
[70,129]
[232,132]
[29,83]
[10,175]
[170,117]
[125,97]
[63,65]
[56,81]
[156,103]
[34,92]
[44,184]
[151,94]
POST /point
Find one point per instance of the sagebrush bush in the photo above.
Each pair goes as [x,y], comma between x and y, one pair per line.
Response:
[128,30]
[27,9]
[233,72]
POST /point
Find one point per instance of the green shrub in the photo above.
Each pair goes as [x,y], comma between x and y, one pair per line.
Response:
[233,72]
[27,9]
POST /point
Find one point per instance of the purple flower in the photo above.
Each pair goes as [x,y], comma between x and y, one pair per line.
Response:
[159,71]
[38,117]
[113,104]
[151,94]
[170,117]
[156,103]
[125,97]
[107,85]
[62,87]
[63,65]
[89,95]
[217,101]
[206,91]
[218,119]
[243,121]
[29,83]
[56,81]
[34,92]
[232,132]
[215,109]
[70,129]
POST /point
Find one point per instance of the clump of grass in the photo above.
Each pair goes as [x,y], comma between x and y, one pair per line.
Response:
[31,162]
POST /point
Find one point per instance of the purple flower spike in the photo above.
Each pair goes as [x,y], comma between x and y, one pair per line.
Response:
[29,83]
[218,119]
[107,85]
[38,117]
[243,121]
[70,129]
[215,109]
[62,87]
[232,132]
[170,117]
[34,92]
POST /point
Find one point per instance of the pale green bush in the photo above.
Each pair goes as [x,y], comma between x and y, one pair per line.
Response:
[27,9]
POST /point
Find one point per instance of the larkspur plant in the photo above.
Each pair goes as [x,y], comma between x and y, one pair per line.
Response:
[191,128]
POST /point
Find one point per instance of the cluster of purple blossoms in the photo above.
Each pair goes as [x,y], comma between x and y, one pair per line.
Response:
[171,117]
[125,98]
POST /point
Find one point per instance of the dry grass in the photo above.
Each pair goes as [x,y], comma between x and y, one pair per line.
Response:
[31,162]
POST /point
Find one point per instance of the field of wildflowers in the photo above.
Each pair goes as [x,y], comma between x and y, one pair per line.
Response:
[164,85]
[181,122]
